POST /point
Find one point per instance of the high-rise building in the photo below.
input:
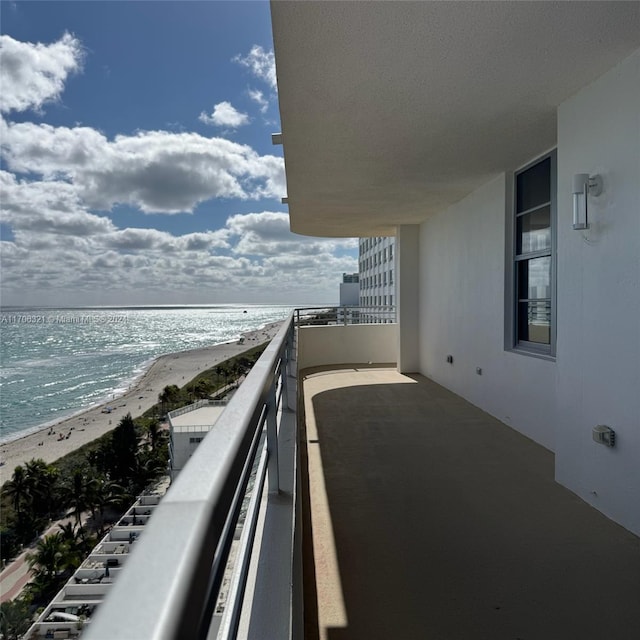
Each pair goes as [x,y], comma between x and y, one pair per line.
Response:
[377,289]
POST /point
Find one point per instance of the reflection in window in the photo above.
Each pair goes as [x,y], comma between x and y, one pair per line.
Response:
[533,259]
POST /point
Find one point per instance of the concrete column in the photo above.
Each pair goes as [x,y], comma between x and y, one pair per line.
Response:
[407,279]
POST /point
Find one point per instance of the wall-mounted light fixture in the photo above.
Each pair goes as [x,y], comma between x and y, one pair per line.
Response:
[584,186]
[604,435]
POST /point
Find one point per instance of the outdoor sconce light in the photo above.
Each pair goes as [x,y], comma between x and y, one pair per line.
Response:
[604,435]
[584,186]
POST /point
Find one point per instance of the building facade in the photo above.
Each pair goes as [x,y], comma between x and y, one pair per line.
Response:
[349,290]
[188,427]
[376,261]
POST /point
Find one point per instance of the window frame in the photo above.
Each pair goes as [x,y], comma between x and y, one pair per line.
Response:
[512,340]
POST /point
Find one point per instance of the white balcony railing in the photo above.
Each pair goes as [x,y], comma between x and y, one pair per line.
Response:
[171,584]
[345,315]
[198,404]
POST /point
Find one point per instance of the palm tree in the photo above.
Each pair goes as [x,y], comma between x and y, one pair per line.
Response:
[219,372]
[168,397]
[50,558]
[106,494]
[19,489]
[124,448]
[151,465]
[14,619]
[50,563]
[70,533]
[76,542]
[153,432]
[81,496]
[41,479]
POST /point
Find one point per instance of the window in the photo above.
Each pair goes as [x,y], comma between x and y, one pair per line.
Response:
[195,440]
[533,257]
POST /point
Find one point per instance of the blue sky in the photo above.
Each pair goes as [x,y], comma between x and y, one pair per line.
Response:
[137,164]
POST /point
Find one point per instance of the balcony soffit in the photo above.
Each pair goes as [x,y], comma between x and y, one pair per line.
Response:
[394,111]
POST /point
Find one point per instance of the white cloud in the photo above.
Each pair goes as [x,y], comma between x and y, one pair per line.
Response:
[34,74]
[254,257]
[62,183]
[155,240]
[268,234]
[49,207]
[261,63]
[156,171]
[258,97]
[224,114]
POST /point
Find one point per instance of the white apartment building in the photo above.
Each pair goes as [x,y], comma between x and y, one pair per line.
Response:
[188,427]
[349,290]
[70,612]
[377,285]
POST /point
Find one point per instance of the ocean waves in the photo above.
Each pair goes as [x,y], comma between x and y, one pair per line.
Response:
[57,362]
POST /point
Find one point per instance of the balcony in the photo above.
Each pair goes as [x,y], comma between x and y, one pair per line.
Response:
[378,505]
[428,518]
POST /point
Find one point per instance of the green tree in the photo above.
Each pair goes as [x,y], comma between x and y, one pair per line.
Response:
[153,433]
[50,563]
[169,397]
[42,479]
[106,494]
[79,495]
[9,542]
[72,534]
[18,488]
[15,619]
[77,543]
[151,465]
[124,448]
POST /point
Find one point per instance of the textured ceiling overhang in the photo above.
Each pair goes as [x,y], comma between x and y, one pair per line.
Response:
[392,111]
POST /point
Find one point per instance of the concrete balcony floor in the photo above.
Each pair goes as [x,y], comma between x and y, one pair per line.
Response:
[431,520]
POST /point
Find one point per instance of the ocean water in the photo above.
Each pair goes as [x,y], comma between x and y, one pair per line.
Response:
[57,362]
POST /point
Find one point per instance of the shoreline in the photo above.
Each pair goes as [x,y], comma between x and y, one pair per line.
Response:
[53,441]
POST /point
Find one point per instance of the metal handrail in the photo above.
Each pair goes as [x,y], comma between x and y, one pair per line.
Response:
[345,315]
[180,559]
[198,404]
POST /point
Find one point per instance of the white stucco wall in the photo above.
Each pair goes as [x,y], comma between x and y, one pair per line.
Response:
[183,448]
[595,378]
[462,263]
[598,351]
[408,288]
[350,344]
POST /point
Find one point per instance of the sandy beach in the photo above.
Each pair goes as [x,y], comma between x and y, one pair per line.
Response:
[52,442]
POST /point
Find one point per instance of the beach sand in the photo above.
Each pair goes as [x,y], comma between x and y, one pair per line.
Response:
[174,368]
